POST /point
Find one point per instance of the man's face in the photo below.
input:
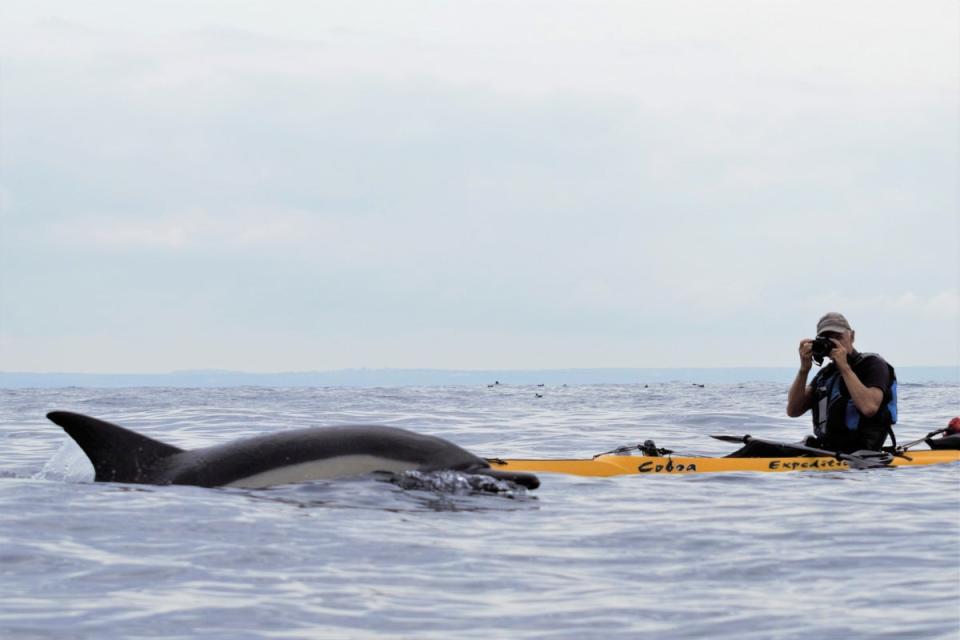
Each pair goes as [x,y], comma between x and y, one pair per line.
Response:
[845,338]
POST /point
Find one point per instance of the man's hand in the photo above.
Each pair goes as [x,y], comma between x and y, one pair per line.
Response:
[839,355]
[806,354]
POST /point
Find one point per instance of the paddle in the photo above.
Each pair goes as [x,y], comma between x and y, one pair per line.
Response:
[859,460]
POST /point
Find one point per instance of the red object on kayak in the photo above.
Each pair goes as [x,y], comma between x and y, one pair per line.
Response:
[954,426]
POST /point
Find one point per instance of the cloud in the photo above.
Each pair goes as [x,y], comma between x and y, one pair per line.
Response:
[943,304]
[627,175]
[935,304]
[194,231]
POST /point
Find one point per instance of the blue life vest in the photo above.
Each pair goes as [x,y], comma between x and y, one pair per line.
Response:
[829,390]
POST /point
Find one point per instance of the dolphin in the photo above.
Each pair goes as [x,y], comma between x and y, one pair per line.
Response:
[301,455]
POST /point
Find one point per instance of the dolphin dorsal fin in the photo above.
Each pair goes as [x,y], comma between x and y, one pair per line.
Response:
[117,454]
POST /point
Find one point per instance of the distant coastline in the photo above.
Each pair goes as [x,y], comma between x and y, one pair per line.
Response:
[437,377]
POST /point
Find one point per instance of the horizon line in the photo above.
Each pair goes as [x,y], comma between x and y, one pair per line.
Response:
[431,369]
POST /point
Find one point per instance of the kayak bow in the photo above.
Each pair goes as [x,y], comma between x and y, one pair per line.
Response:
[618,465]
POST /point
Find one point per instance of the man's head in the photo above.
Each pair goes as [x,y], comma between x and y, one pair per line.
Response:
[834,325]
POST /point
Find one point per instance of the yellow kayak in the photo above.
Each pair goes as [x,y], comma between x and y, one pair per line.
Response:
[618,465]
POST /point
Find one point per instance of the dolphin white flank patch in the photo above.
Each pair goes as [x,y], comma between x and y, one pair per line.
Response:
[327,468]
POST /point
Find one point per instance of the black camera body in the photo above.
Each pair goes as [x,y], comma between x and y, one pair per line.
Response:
[821,347]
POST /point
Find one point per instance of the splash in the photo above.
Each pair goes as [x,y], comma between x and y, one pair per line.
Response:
[456,483]
[68,464]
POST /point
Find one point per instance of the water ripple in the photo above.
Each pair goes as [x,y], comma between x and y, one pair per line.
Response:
[740,555]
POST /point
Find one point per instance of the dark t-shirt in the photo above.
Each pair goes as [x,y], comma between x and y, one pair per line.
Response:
[847,429]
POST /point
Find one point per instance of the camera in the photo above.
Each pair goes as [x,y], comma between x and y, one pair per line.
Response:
[822,346]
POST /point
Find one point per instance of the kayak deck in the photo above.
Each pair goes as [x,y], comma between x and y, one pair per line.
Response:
[618,465]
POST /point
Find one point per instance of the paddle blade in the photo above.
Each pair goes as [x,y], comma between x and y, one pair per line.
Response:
[868,459]
[736,439]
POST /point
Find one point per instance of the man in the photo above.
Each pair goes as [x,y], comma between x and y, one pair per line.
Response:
[854,398]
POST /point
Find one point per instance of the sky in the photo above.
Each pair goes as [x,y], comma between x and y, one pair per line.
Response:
[289,186]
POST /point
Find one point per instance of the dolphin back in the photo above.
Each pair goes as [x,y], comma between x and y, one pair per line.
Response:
[117,454]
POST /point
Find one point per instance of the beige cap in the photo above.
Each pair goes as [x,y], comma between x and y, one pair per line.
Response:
[833,321]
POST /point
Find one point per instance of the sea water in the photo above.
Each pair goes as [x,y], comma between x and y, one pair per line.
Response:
[741,555]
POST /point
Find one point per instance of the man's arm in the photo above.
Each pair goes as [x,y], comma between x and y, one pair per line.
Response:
[800,397]
[868,400]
